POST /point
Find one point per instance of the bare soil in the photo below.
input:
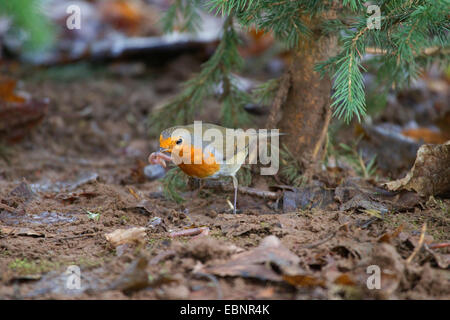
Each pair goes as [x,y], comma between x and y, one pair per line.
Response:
[96,130]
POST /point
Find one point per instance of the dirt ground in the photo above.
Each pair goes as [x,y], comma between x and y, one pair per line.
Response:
[84,167]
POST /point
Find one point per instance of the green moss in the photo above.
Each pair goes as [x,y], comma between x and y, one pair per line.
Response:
[25,266]
[438,222]
[89,262]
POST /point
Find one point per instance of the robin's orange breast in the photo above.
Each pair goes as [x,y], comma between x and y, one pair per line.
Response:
[206,168]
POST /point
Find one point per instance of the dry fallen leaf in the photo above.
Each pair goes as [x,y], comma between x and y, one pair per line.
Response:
[122,236]
[430,174]
[442,260]
[266,293]
[134,278]
[344,280]
[426,135]
[392,268]
[7,88]
[256,263]
[303,280]
[387,237]
[20,232]
[17,113]
[124,15]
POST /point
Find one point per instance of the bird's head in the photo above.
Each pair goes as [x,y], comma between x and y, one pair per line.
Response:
[173,140]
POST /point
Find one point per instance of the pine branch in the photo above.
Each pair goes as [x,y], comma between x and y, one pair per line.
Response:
[408,30]
[217,71]
[348,86]
[174,182]
[183,16]
[284,18]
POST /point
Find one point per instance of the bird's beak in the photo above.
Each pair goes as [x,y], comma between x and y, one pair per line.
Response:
[163,150]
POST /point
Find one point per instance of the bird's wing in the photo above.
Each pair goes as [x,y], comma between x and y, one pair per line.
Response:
[234,142]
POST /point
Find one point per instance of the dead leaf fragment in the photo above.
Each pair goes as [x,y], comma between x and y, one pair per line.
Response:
[430,174]
[7,94]
[392,268]
[256,263]
[266,293]
[303,280]
[387,237]
[18,114]
[442,260]
[122,236]
[426,135]
[134,278]
[344,280]
[20,232]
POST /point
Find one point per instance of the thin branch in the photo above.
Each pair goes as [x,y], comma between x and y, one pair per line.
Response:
[323,135]
[430,51]
[419,245]
[189,232]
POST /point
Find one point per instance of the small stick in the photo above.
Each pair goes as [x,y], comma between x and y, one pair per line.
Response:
[134,194]
[439,245]
[230,204]
[188,232]
[419,246]
[244,190]
[74,237]
[328,237]
[323,135]
[259,193]
[204,232]
[427,51]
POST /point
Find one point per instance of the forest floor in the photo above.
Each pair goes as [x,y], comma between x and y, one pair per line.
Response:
[78,176]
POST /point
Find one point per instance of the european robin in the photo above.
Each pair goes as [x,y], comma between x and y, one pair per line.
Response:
[213,153]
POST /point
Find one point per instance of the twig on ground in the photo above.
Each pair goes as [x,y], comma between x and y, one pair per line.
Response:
[323,136]
[259,193]
[74,237]
[419,245]
[367,223]
[189,232]
[318,243]
[439,245]
[134,194]
[243,190]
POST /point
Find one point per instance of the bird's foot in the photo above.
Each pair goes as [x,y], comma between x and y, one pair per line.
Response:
[233,211]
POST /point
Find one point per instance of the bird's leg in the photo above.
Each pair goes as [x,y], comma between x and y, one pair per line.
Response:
[235,184]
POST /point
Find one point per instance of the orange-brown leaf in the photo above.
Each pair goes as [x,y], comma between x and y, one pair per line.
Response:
[387,237]
[344,280]
[7,92]
[425,134]
[303,280]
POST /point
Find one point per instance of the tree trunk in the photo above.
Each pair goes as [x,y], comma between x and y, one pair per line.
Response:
[303,103]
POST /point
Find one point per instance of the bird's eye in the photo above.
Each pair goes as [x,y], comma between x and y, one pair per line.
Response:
[179,141]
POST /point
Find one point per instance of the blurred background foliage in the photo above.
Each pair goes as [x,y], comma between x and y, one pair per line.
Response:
[29,23]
